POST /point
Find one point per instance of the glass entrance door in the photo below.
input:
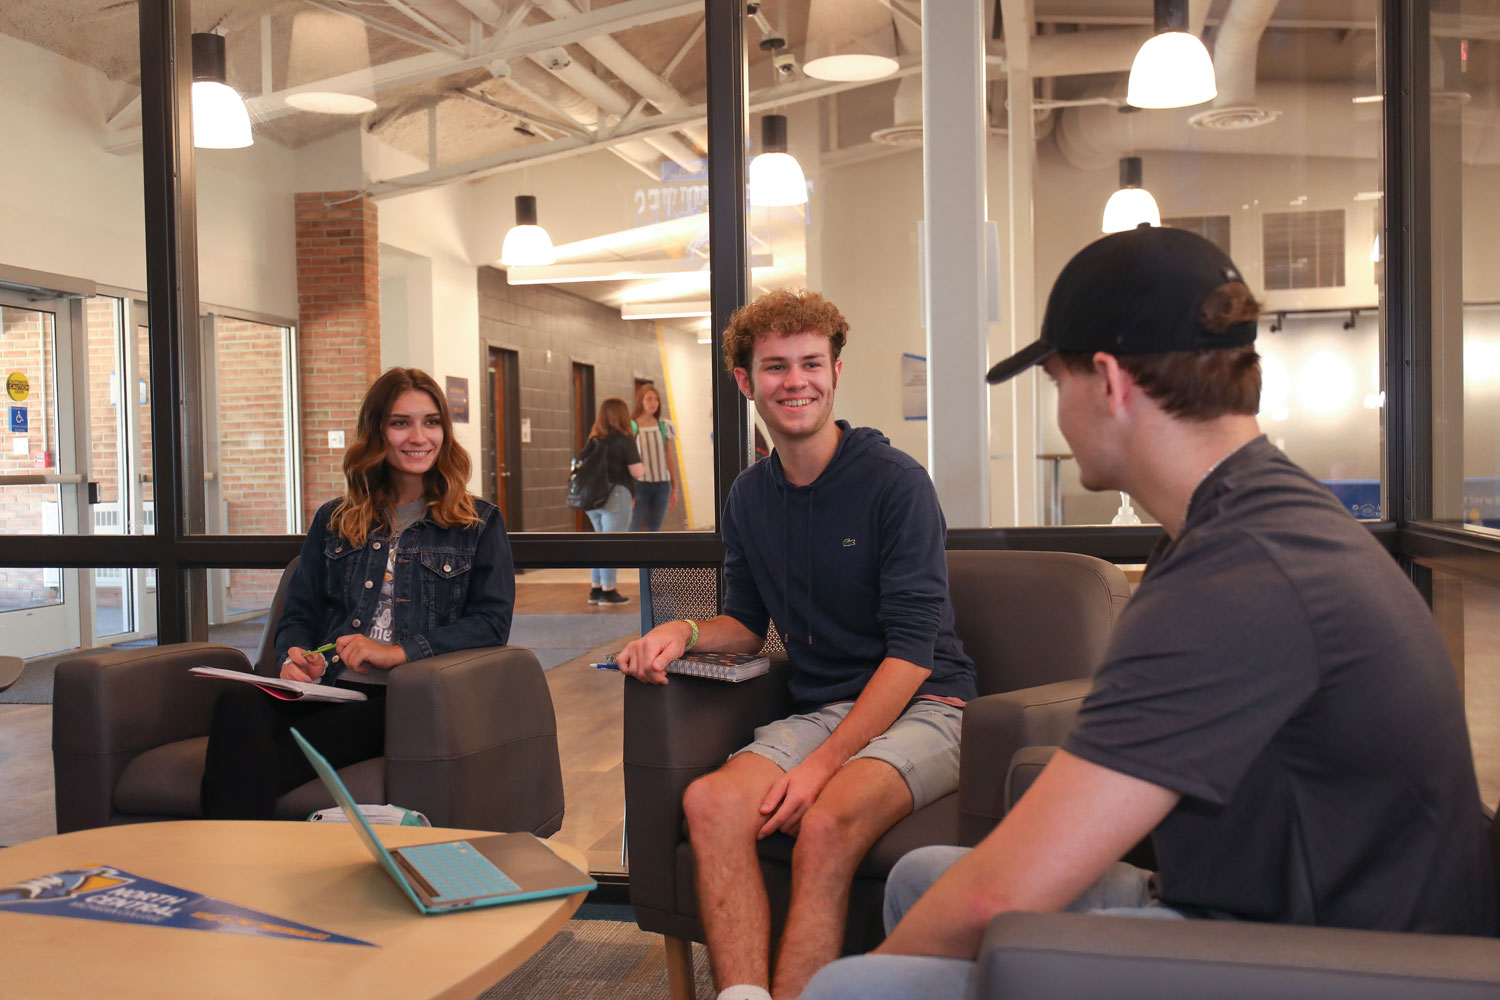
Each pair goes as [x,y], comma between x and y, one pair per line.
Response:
[41,487]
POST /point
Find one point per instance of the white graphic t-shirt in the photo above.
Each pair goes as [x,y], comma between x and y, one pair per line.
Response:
[382,623]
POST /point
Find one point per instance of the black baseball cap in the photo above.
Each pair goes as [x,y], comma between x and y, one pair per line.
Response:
[1136,292]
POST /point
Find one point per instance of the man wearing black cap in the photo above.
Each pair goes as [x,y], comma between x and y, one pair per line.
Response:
[1276,708]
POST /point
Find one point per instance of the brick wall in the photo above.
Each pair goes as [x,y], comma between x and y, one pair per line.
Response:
[533,320]
[250,362]
[338,292]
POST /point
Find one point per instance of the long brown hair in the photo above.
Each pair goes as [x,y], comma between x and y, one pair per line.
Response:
[640,402]
[369,494]
[614,418]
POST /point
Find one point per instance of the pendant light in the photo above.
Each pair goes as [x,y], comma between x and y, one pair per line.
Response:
[775,175]
[849,40]
[527,244]
[1172,70]
[1132,205]
[220,120]
[324,44]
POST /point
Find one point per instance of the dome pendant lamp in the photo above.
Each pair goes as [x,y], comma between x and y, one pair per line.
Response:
[1173,69]
[527,244]
[775,175]
[1132,205]
[220,120]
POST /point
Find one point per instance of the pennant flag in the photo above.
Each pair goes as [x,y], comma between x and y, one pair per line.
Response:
[100,892]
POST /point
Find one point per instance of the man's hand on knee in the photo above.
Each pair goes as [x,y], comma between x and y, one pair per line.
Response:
[793,794]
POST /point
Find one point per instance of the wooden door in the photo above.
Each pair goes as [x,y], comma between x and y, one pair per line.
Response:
[505,435]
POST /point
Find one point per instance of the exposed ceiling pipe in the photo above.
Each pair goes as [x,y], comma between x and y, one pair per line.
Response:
[1236,46]
[1102,50]
[1318,120]
[619,61]
[609,100]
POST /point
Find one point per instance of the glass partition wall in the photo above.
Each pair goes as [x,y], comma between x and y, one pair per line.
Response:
[339,244]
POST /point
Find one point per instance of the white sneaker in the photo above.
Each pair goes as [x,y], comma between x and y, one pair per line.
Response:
[744,991]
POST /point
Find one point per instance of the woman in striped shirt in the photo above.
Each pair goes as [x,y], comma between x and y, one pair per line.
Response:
[656,489]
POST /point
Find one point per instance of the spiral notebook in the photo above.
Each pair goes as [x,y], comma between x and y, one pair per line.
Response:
[732,667]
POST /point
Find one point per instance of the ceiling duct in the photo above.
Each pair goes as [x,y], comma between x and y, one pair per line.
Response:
[1235,49]
[906,130]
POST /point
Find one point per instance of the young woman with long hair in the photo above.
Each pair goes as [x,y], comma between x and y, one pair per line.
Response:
[655,437]
[405,565]
[611,431]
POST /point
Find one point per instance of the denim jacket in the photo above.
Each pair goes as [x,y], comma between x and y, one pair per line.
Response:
[455,588]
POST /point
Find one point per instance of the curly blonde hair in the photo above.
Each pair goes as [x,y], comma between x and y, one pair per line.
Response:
[784,313]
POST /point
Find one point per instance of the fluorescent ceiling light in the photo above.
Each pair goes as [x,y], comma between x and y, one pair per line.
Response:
[1172,69]
[527,244]
[619,270]
[220,120]
[665,310]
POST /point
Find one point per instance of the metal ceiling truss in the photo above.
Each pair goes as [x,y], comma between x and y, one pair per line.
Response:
[441,60]
[695,116]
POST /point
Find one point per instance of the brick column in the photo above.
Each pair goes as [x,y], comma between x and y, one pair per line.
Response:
[338,294]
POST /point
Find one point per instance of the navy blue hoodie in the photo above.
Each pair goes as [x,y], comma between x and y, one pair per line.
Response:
[850,567]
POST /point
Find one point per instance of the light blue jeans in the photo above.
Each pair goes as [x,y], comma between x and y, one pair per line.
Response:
[1121,891]
[613,516]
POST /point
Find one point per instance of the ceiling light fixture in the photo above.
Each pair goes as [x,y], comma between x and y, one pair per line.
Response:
[665,310]
[850,40]
[775,175]
[322,41]
[1172,69]
[220,120]
[1132,205]
[527,244]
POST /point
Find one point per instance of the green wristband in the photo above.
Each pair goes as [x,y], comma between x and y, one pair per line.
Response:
[694,626]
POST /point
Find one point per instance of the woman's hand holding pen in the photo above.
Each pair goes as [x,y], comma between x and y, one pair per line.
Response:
[359,653]
[304,665]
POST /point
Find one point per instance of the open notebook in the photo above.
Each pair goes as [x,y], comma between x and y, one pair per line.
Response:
[457,874]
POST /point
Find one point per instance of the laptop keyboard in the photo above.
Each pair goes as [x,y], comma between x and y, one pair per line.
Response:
[455,870]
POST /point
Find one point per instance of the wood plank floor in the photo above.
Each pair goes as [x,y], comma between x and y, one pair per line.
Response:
[586,700]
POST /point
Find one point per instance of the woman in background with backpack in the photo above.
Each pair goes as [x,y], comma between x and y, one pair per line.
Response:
[656,493]
[623,467]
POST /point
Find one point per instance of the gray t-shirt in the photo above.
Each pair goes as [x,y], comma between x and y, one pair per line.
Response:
[381,627]
[1278,670]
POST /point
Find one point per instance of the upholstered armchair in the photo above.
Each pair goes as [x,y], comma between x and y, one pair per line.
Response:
[1035,623]
[471,739]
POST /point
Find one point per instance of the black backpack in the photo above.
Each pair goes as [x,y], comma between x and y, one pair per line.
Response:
[588,483]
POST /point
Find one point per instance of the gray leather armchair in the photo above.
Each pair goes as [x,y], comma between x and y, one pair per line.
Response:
[1070,956]
[471,739]
[1032,621]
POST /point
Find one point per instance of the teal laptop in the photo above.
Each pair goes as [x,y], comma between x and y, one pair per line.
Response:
[459,874]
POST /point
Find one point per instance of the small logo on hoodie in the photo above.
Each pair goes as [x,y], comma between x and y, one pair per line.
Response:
[848,543]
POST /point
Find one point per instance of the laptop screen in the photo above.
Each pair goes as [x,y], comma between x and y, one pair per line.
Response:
[335,786]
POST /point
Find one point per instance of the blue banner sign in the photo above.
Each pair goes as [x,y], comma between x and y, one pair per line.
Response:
[100,892]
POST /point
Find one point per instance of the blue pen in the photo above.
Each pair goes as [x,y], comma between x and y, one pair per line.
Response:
[608,664]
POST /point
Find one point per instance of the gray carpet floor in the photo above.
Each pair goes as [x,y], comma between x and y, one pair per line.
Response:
[598,960]
[555,639]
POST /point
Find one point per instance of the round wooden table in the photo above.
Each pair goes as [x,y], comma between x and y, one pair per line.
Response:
[314,873]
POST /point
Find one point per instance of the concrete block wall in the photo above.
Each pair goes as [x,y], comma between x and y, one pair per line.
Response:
[550,329]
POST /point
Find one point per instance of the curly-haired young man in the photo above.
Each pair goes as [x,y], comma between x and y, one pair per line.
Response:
[838,537]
